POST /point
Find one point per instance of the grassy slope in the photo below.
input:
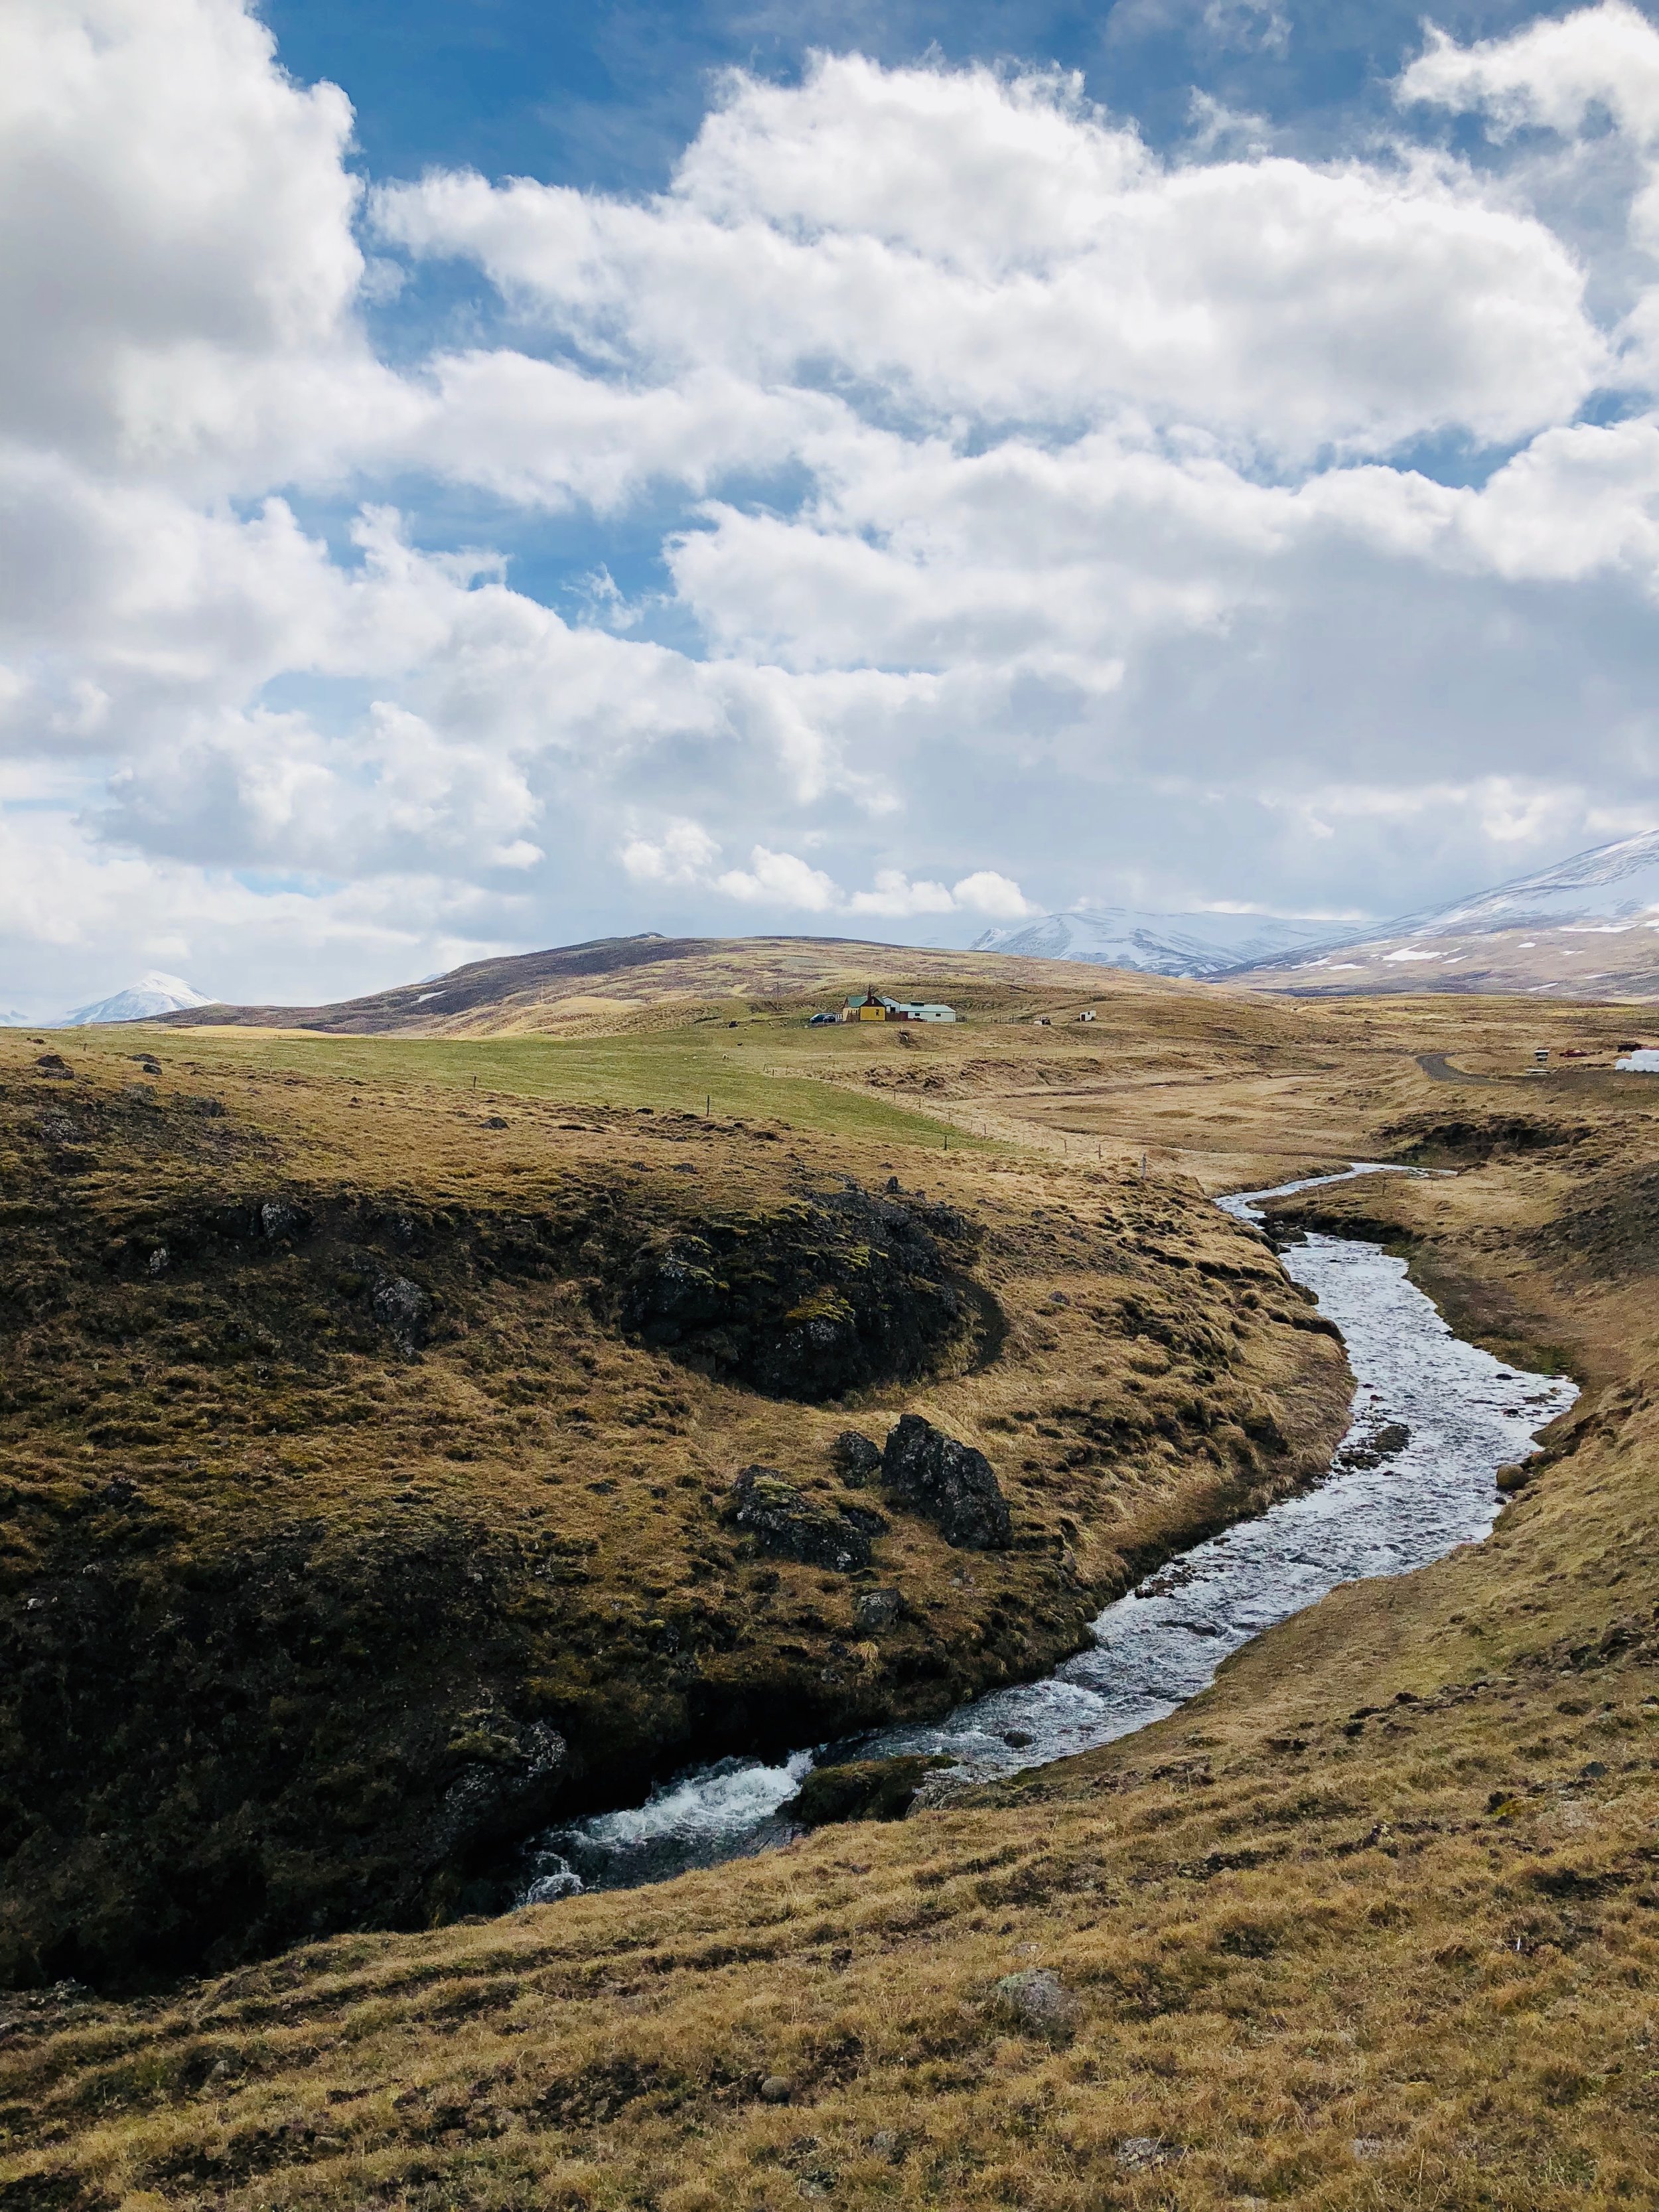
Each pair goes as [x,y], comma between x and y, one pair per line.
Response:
[593,987]
[1372,1924]
[273,1589]
[691,1070]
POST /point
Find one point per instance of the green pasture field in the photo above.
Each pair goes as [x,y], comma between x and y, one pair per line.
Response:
[685,1070]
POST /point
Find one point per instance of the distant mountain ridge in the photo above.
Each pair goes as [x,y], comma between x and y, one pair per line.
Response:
[153,993]
[1588,927]
[1192,944]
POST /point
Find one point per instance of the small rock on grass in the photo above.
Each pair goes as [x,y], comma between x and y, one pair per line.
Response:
[878,1609]
[1037,2000]
[786,1526]
[1139,2153]
[776,2089]
[855,1459]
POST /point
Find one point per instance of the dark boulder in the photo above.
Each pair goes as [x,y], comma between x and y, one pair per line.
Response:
[855,1459]
[510,1778]
[863,1789]
[949,1483]
[403,1310]
[861,1517]
[876,1610]
[784,1526]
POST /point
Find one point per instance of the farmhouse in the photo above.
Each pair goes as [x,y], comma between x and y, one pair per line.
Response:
[873,1006]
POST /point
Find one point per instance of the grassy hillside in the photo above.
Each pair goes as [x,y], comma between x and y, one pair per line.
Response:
[1372,1924]
[360,1505]
[698,1070]
[621,982]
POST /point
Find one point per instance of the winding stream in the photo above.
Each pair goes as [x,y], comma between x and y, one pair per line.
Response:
[1434,1419]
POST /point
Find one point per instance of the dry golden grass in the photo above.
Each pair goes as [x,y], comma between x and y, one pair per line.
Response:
[1371,1924]
[1406,1959]
[268,1582]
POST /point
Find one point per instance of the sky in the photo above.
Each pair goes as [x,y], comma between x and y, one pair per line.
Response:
[480,474]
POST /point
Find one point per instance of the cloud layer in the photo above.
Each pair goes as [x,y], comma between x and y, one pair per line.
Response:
[1006,515]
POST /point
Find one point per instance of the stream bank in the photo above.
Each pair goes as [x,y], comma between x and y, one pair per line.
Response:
[1434,1419]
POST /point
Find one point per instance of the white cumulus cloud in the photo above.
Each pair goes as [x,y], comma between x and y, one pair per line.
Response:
[1028,515]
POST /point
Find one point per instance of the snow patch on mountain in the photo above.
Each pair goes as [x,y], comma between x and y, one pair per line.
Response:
[1160,943]
[1588,927]
[152,994]
[1607,890]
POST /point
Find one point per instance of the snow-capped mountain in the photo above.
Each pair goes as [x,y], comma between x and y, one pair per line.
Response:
[1587,929]
[11,1019]
[152,994]
[1158,944]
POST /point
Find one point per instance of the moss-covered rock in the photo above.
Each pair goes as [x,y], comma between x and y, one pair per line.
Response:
[829,1295]
[786,1527]
[860,1789]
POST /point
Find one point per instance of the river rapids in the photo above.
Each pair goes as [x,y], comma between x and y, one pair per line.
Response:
[1434,1419]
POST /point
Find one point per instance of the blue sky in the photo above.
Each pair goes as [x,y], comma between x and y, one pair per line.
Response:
[485,475]
[609,96]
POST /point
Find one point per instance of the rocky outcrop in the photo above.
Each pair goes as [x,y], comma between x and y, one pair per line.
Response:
[1470,1139]
[786,1526]
[510,1779]
[304,1736]
[949,1483]
[825,1297]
